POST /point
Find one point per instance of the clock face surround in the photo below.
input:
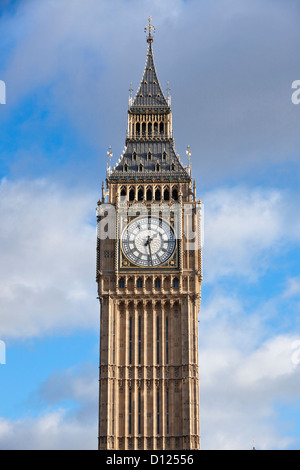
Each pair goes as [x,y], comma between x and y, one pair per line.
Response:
[148,241]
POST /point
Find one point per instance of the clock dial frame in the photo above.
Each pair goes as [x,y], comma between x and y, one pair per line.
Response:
[148,242]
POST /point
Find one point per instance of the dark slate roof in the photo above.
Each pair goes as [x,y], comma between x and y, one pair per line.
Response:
[163,163]
[149,94]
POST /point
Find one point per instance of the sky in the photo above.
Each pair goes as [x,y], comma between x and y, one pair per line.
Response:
[67,66]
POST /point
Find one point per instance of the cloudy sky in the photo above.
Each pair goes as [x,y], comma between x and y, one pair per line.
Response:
[67,66]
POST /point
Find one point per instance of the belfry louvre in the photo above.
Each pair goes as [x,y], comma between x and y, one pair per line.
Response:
[149,284]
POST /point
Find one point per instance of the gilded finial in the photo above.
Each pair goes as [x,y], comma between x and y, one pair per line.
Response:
[109,154]
[130,94]
[150,28]
[188,154]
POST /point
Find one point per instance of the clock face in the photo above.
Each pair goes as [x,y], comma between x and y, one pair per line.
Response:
[148,241]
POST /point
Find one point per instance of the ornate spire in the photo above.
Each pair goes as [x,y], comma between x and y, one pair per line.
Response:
[150,94]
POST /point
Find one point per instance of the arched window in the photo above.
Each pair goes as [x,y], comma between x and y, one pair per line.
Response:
[149,194]
[164,155]
[138,129]
[157,283]
[157,167]
[149,155]
[125,167]
[140,167]
[139,283]
[123,192]
[175,194]
[172,167]
[140,194]
[131,194]
[166,195]
[121,283]
[161,128]
[134,156]
[175,283]
[157,195]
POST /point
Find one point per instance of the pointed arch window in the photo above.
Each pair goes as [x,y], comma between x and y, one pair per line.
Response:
[126,167]
[166,195]
[131,194]
[157,195]
[149,194]
[140,167]
[175,194]
[157,167]
[140,194]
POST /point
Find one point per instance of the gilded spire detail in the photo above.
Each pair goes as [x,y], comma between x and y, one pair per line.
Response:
[150,28]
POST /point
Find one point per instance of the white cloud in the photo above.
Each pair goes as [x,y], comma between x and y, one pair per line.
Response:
[59,425]
[50,431]
[245,374]
[292,288]
[245,229]
[47,271]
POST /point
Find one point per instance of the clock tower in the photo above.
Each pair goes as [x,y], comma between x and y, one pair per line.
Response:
[149,278]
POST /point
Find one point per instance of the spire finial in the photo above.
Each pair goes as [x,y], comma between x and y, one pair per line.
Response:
[150,28]
[188,154]
[130,94]
[169,96]
[108,166]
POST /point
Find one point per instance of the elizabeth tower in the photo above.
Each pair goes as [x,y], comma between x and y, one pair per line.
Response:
[149,279]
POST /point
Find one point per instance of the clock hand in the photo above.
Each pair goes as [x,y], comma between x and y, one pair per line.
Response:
[149,244]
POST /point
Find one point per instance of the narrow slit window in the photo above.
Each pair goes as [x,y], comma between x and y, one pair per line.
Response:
[139,412]
[167,340]
[129,413]
[167,411]
[157,416]
[140,340]
[130,340]
[157,339]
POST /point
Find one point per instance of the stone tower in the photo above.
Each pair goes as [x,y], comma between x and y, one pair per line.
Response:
[149,280]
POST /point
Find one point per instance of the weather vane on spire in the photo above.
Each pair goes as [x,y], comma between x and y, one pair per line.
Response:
[150,28]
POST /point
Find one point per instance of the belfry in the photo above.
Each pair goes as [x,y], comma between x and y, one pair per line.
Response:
[149,274]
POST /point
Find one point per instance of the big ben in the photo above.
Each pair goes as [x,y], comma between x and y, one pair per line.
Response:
[149,274]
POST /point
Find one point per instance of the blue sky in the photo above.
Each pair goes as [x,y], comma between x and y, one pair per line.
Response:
[67,66]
